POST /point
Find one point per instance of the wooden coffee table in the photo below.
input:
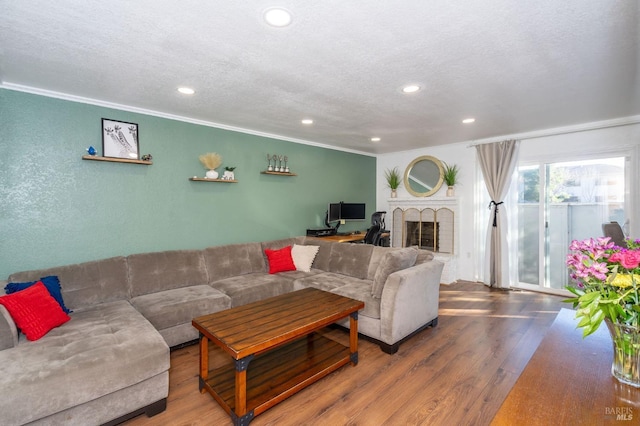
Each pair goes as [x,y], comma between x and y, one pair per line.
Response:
[275,348]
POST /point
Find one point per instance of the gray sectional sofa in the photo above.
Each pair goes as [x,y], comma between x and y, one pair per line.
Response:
[110,362]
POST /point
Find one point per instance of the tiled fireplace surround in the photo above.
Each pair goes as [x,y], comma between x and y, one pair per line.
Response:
[431,223]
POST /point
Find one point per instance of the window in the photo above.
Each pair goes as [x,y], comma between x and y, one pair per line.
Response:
[560,202]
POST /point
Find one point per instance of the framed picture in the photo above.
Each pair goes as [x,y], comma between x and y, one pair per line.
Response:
[119,139]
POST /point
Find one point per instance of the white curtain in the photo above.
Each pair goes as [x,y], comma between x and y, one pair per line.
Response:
[497,161]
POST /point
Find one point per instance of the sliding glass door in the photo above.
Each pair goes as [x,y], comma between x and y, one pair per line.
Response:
[560,202]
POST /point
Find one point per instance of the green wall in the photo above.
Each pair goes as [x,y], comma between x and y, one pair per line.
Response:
[57,209]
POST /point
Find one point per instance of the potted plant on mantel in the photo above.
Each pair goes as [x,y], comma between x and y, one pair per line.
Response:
[393,180]
[450,177]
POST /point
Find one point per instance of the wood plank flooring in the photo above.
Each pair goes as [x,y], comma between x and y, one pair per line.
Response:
[457,373]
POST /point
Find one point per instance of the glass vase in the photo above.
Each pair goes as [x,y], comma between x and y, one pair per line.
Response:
[626,353]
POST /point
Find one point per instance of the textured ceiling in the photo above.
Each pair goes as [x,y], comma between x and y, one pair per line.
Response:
[515,66]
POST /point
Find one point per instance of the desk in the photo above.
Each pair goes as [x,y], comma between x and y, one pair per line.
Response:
[351,238]
[344,238]
[568,381]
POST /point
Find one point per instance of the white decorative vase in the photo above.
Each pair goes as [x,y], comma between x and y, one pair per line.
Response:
[451,192]
[394,193]
[228,175]
[211,174]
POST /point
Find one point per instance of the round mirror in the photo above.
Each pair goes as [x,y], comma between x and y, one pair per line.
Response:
[424,176]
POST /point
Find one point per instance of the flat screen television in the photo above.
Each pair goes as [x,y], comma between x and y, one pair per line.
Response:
[346,211]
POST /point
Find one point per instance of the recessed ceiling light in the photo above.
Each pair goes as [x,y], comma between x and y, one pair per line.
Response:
[186,90]
[277,17]
[376,139]
[468,120]
[410,89]
[307,121]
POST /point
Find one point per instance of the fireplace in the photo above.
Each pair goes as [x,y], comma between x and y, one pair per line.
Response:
[431,224]
[431,229]
[422,234]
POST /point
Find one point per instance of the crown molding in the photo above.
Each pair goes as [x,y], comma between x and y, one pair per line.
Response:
[555,131]
[128,108]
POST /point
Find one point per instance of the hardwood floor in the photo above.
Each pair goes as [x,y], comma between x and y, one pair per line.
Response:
[457,373]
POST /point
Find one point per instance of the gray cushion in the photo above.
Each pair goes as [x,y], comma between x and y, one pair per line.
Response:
[324,253]
[376,257]
[233,260]
[326,281]
[165,270]
[80,361]
[169,308]
[351,259]
[252,287]
[86,284]
[423,255]
[361,290]
[392,262]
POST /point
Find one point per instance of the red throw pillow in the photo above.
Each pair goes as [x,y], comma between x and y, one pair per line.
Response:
[34,311]
[280,260]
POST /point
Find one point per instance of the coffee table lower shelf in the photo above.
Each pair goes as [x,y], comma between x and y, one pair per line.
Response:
[279,373]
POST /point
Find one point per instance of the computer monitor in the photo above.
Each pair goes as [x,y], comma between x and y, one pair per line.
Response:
[346,211]
[352,211]
[333,212]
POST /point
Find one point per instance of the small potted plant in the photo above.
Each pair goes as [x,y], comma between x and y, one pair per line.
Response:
[228,173]
[393,180]
[450,177]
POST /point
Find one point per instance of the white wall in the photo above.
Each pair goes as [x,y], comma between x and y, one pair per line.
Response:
[548,145]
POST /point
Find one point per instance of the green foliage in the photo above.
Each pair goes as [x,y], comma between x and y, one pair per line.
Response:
[393,178]
[450,175]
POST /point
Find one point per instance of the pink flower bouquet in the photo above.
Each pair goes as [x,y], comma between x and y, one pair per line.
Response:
[606,280]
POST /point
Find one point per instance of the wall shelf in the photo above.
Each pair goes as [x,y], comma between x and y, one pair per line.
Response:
[197,179]
[266,172]
[116,160]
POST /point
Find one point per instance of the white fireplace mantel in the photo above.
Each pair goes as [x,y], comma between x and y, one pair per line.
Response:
[450,260]
[426,202]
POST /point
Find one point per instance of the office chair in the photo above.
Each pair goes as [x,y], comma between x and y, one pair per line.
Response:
[375,231]
[373,235]
[378,219]
[614,231]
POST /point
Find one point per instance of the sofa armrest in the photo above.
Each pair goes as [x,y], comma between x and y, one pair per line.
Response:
[8,330]
[409,300]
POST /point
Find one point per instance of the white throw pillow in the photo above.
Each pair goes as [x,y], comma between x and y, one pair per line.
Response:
[303,256]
